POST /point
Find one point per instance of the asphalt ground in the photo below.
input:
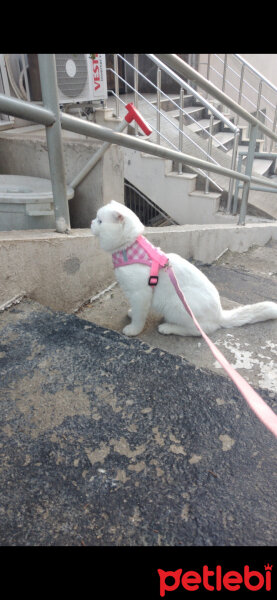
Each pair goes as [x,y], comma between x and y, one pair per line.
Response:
[107,441]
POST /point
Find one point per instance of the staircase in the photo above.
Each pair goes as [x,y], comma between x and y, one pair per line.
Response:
[181,192]
[183,195]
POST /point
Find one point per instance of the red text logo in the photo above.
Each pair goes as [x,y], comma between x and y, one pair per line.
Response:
[215,580]
[96,72]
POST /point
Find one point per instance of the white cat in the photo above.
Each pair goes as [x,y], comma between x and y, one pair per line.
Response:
[118,229]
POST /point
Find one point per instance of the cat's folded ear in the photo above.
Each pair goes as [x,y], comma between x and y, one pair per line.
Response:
[117,216]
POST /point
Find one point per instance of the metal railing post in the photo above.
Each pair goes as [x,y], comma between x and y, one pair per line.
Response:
[159,80]
[237,186]
[208,66]
[95,158]
[240,91]
[48,80]
[181,121]
[209,150]
[233,167]
[248,171]
[136,87]
[116,84]
[224,77]
[208,72]
[273,129]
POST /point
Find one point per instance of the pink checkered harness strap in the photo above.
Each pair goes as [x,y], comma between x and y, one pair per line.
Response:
[142,251]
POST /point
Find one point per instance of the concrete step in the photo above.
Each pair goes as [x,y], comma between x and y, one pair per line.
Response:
[204,124]
[208,205]
[39,213]
[168,105]
[262,166]
[191,112]
[225,138]
[197,112]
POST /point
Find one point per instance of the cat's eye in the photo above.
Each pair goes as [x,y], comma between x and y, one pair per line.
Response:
[99,221]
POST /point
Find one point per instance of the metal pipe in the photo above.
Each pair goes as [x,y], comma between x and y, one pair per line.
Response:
[240,86]
[260,188]
[259,97]
[136,87]
[265,155]
[181,119]
[26,110]
[233,167]
[209,150]
[48,79]
[159,79]
[95,158]
[224,76]
[186,71]
[273,128]
[248,171]
[237,186]
[70,123]
[208,66]
[116,85]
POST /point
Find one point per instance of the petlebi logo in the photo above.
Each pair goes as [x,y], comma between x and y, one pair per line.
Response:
[215,580]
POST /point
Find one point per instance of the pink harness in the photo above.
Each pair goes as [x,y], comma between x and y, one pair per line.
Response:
[142,251]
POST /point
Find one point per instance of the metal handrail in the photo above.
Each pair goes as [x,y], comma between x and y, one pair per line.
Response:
[183,86]
[191,90]
[186,71]
[54,120]
[254,70]
[261,77]
[20,108]
[269,119]
[198,171]
[87,128]
[174,125]
[262,80]
[27,110]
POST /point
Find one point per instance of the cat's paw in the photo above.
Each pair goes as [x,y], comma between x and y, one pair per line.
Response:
[131,330]
[165,328]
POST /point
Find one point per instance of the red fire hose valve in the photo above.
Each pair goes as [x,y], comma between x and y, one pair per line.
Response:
[133,114]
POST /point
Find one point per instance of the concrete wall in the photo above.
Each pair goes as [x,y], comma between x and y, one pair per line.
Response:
[63,271]
[25,155]
[59,271]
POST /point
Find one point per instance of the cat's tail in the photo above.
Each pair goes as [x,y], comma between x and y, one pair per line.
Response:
[250,313]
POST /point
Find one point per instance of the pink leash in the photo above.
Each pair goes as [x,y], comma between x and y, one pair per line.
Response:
[258,405]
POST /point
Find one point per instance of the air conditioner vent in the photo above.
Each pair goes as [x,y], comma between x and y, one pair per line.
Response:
[77,77]
[72,74]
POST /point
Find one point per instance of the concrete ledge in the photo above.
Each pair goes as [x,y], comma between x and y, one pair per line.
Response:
[59,271]
[62,271]
[207,242]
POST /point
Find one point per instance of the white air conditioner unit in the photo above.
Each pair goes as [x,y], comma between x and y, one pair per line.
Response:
[81,77]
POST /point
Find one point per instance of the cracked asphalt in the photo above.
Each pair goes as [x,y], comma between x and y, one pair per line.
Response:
[107,441]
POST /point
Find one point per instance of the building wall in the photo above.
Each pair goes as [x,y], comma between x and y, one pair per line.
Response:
[23,156]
